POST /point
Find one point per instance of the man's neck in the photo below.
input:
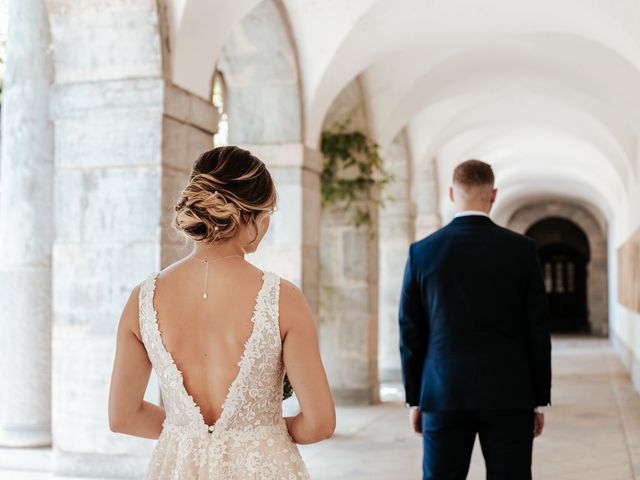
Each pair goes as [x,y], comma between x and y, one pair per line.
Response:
[465,213]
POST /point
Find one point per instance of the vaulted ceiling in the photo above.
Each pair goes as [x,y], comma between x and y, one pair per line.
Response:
[547,91]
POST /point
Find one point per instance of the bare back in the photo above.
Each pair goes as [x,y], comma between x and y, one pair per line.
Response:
[206,336]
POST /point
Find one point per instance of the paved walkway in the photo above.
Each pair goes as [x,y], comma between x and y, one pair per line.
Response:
[592,433]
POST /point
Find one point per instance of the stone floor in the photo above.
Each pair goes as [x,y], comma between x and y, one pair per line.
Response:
[593,429]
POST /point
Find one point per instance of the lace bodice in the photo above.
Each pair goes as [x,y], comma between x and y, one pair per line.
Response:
[250,439]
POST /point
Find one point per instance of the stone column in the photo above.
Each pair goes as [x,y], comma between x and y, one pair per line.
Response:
[188,125]
[349,305]
[396,232]
[292,244]
[427,199]
[114,198]
[125,142]
[26,229]
[349,280]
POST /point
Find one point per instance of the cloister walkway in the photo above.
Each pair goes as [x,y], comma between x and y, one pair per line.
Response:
[592,432]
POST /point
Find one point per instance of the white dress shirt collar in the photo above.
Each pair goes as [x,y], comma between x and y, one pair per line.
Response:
[467,213]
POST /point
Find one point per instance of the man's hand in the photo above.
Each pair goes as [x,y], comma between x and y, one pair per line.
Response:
[538,424]
[415,417]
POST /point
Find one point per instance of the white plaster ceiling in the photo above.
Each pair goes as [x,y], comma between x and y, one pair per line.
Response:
[548,91]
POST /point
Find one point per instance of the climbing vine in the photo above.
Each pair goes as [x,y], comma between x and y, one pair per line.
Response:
[352,166]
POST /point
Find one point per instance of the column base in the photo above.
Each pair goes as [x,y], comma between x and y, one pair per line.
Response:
[390,375]
[25,436]
[356,396]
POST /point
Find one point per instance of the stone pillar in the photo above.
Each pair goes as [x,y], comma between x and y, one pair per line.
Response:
[396,232]
[427,199]
[26,229]
[348,305]
[260,68]
[292,244]
[188,126]
[349,280]
[113,206]
[125,142]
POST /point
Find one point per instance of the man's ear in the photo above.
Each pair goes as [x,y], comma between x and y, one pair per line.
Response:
[494,194]
[451,194]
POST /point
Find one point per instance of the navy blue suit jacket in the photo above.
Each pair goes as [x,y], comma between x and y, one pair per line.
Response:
[474,320]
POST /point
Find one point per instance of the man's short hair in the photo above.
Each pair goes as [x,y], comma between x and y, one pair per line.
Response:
[473,173]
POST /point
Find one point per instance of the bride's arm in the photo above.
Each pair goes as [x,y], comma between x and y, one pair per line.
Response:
[128,412]
[317,418]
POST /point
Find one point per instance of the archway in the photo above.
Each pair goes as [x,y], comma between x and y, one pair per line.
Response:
[594,229]
[564,253]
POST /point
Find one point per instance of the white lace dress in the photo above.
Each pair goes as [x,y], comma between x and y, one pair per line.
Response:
[250,439]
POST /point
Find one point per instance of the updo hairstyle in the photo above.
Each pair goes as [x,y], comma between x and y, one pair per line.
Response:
[228,187]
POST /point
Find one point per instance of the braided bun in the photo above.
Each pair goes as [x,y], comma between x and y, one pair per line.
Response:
[228,187]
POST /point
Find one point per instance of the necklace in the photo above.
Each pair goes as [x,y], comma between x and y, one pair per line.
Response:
[206,271]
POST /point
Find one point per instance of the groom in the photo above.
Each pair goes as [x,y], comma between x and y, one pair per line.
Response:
[474,338]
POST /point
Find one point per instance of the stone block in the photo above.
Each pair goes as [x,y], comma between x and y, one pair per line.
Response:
[355,256]
[175,144]
[244,102]
[107,205]
[190,109]
[91,283]
[120,42]
[173,182]
[112,139]
[198,141]
[113,97]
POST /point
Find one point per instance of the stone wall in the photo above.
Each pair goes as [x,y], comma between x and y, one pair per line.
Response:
[629,272]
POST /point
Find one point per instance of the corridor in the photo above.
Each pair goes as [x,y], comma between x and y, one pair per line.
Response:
[592,431]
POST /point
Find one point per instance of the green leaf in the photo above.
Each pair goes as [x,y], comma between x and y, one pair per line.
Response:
[343,149]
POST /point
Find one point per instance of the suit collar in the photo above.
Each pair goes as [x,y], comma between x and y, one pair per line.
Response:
[472,220]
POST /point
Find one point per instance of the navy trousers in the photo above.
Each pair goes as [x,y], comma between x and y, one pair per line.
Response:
[506,438]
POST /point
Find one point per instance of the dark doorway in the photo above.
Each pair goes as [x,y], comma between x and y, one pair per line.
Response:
[563,248]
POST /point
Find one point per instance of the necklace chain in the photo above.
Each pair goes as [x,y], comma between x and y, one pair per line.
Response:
[206,262]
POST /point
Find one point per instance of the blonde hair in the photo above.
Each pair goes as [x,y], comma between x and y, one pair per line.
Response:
[228,187]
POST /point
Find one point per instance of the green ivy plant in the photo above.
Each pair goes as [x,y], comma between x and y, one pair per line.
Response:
[352,166]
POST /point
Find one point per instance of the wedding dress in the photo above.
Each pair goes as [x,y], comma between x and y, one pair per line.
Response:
[250,439]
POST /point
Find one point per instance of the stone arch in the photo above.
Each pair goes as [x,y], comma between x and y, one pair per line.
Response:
[263,105]
[597,300]
[260,68]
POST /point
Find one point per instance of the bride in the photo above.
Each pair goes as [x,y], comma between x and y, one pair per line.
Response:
[220,333]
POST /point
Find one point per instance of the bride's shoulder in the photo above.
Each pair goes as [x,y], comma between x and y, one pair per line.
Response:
[289,291]
[293,305]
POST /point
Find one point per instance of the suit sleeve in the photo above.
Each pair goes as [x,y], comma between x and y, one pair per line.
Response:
[538,338]
[413,334]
